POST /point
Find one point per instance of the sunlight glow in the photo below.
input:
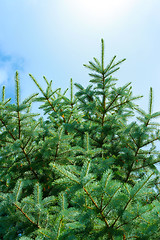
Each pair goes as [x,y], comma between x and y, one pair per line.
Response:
[99,11]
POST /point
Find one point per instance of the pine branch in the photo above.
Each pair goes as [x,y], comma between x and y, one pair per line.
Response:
[59,228]
[108,107]
[46,80]
[104,102]
[29,139]
[102,54]
[99,210]
[29,162]
[132,197]
[20,209]
[7,129]
[131,166]
[146,165]
[18,100]
[47,97]
[110,200]
[127,101]
[150,101]
[109,65]
[71,82]
[3,94]
[66,173]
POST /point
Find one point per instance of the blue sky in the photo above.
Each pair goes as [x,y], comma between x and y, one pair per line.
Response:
[56,37]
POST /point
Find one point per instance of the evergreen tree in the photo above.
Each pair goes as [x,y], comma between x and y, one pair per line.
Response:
[86,172]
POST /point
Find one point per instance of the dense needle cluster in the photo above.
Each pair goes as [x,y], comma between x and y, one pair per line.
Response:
[85,172]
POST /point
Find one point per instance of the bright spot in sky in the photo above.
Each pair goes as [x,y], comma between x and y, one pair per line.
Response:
[97,11]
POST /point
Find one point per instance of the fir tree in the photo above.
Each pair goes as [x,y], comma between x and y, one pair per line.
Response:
[86,172]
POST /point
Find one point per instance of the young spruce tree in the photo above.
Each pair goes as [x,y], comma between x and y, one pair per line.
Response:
[87,172]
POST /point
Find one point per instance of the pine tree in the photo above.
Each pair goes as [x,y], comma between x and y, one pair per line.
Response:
[86,172]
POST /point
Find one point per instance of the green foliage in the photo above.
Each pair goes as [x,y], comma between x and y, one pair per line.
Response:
[86,172]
